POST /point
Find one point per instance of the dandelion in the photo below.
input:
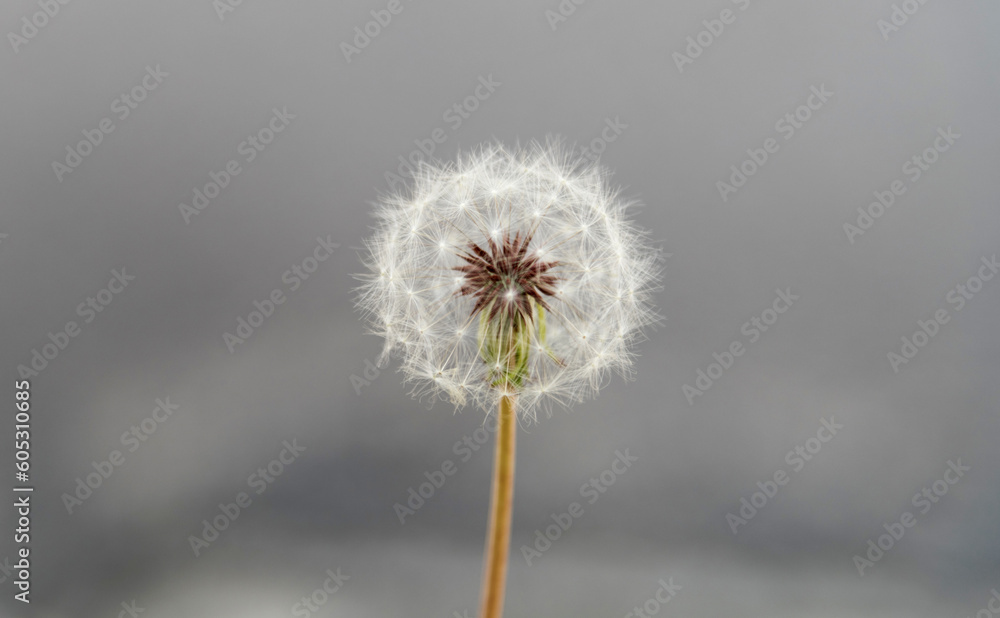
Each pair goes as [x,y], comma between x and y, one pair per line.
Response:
[509,279]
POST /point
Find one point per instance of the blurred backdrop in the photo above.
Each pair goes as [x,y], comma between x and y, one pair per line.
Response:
[170,169]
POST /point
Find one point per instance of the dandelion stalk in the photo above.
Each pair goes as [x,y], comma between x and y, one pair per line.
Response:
[501,507]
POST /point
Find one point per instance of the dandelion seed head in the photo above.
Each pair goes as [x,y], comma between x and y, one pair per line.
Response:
[531,236]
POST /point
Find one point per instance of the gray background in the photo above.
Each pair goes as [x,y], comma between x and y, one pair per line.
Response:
[333,507]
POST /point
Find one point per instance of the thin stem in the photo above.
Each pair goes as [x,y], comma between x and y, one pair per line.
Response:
[501,503]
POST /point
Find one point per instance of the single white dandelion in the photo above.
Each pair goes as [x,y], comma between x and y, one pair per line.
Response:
[510,279]
[509,272]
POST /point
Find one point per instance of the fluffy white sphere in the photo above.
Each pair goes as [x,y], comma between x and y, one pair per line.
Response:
[602,272]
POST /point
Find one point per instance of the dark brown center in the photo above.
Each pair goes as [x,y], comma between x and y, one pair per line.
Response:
[505,278]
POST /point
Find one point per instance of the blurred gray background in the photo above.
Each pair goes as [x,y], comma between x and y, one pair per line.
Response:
[301,375]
